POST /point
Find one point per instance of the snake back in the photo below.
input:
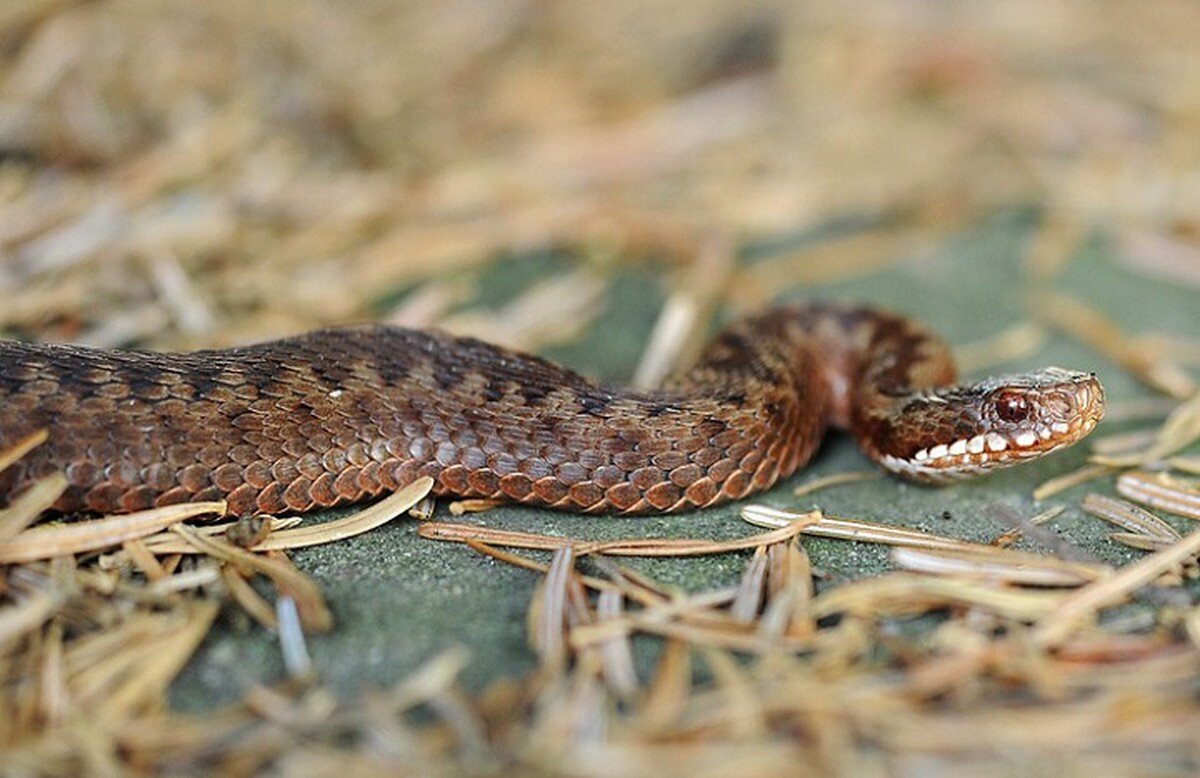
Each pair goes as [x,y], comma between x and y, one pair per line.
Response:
[338,416]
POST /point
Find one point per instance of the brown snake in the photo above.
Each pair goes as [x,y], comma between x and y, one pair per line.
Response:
[338,416]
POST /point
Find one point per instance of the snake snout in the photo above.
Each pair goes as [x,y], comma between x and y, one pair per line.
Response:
[1088,397]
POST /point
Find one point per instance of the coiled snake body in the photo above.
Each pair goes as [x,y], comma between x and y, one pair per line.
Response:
[338,416]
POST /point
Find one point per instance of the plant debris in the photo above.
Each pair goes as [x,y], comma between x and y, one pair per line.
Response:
[244,171]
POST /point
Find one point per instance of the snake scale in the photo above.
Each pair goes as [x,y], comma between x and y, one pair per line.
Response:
[337,416]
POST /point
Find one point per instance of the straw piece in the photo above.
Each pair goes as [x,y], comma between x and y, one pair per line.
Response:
[1098,331]
[617,653]
[1139,541]
[248,598]
[28,506]
[1053,486]
[548,613]
[678,334]
[1180,430]
[98,534]
[1020,341]
[641,547]
[314,614]
[160,661]
[852,529]
[281,538]
[1083,604]
[1188,464]
[835,479]
[899,593]
[35,610]
[356,523]
[1130,517]
[22,447]
[1008,566]
[667,694]
[461,507]
[751,589]
[1162,491]
[291,640]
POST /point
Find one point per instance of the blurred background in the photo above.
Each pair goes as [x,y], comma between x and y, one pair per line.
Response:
[178,174]
[601,182]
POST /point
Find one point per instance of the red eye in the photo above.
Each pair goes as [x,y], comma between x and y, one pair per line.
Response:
[1011,406]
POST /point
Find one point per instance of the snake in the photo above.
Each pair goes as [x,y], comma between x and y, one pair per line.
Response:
[342,415]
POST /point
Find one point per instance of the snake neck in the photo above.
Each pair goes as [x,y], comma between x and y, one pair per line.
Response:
[891,383]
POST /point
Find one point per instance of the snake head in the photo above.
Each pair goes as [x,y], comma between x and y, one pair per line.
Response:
[963,431]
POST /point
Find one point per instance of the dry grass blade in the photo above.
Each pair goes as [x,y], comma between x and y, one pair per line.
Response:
[1012,535]
[751,589]
[639,594]
[697,607]
[552,311]
[1082,604]
[548,614]
[835,479]
[1020,341]
[1010,567]
[169,543]
[356,523]
[22,618]
[1155,255]
[1140,541]
[616,653]
[291,640]
[845,257]
[314,614]
[1130,517]
[744,712]
[1124,442]
[197,577]
[667,695]
[26,508]
[1161,491]
[790,593]
[640,547]
[21,448]
[900,593]
[433,678]
[1180,430]
[424,509]
[146,562]
[98,534]
[55,702]
[248,598]
[1140,409]
[1058,544]
[1053,486]
[1093,328]
[283,535]
[160,662]
[1187,464]
[678,335]
[853,529]
[1055,244]
[461,507]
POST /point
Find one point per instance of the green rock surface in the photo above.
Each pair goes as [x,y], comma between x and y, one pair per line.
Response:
[398,599]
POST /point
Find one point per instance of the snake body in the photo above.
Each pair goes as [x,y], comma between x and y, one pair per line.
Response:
[337,416]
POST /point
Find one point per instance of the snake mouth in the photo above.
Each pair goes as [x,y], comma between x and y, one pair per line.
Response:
[1064,414]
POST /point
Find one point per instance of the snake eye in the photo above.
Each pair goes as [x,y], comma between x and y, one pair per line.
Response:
[1011,406]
